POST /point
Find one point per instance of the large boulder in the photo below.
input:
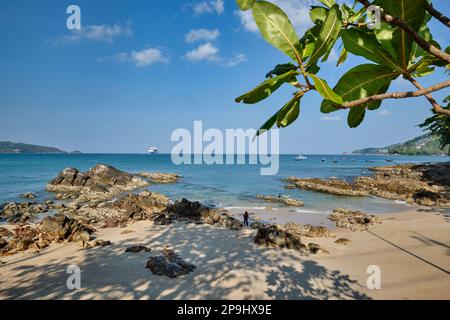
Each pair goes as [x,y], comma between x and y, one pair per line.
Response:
[309,230]
[278,237]
[169,264]
[353,220]
[62,228]
[102,181]
[21,212]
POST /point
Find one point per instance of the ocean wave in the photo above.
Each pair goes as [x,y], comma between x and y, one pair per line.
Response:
[308,211]
[245,208]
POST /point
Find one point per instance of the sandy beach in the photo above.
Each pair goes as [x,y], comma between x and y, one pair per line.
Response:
[411,248]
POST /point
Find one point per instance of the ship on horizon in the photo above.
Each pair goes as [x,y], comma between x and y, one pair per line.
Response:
[153,150]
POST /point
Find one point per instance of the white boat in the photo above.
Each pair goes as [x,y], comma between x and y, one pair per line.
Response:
[153,150]
[300,158]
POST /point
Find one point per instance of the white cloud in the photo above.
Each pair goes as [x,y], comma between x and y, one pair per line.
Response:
[211,6]
[384,113]
[237,59]
[202,34]
[331,118]
[143,58]
[205,52]
[297,11]
[97,33]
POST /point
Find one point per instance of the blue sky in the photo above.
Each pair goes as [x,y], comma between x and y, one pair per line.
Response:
[140,69]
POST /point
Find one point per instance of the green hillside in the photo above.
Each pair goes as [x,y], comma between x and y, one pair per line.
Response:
[22,148]
[423,145]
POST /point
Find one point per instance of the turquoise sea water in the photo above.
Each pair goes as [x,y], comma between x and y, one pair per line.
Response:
[218,185]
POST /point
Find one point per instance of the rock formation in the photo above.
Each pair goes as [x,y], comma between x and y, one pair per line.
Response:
[282,200]
[353,220]
[169,264]
[427,185]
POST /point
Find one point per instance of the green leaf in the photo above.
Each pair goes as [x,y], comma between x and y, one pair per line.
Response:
[325,91]
[413,13]
[280,69]
[268,125]
[289,113]
[342,57]
[266,88]
[328,3]
[385,35]
[318,14]
[276,28]
[308,41]
[366,45]
[356,116]
[245,4]
[328,34]
[361,82]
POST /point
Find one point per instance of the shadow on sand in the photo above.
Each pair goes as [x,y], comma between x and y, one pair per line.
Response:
[229,266]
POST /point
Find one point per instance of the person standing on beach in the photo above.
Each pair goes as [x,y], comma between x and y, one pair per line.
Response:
[246,216]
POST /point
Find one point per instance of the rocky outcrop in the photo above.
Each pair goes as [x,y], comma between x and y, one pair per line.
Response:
[282,200]
[169,264]
[184,210]
[21,212]
[309,230]
[315,248]
[330,186]
[142,206]
[100,182]
[427,185]
[163,178]
[51,230]
[353,220]
[278,237]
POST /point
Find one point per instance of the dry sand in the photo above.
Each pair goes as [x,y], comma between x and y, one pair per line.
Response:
[411,248]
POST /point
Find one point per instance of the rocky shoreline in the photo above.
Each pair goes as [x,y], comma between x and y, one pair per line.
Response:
[425,185]
[103,197]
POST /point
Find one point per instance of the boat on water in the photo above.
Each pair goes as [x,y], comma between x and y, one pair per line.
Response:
[300,158]
[153,150]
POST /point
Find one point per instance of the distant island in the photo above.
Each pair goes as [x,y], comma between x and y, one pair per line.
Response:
[22,148]
[423,145]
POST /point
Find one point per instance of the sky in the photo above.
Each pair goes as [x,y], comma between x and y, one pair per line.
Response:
[138,70]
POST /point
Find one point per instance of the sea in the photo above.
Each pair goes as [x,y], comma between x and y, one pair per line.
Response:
[226,186]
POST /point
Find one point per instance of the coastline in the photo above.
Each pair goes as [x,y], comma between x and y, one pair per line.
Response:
[411,248]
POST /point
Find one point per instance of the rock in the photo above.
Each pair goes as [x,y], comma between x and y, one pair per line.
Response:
[316,249]
[100,182]
[309,231]
[127,232]
[169,264]
[137,249]
[163,178]
[353,220]
[100,243]
[5,232]
[62,228]
[282,200]
[256,225]
[28,195]
[196,212]
[427,184]
[276,236]
[3,243]
[161,220]
[343,241]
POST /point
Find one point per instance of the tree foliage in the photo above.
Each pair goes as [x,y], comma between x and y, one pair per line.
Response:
[402,46]
[439,125]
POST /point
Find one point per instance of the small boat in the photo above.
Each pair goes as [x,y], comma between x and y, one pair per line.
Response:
[300,158]
[323,159]
[153,150]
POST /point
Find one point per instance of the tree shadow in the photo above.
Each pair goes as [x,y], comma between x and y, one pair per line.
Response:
[229,266]
[430,242]
[443,212]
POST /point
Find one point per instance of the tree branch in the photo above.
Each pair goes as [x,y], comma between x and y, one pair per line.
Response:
[398,95]
[437,14]
[408,29]
[430,98]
